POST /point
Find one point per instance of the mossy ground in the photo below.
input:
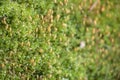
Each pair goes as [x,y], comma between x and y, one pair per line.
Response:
[59,39]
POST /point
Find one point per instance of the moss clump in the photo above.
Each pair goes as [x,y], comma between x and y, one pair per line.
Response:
[63,40]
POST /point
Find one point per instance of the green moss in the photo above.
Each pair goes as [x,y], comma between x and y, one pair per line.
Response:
[42,40]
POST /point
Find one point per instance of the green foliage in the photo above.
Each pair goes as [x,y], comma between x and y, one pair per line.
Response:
[59,40]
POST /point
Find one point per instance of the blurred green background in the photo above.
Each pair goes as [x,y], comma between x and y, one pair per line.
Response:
[59,40]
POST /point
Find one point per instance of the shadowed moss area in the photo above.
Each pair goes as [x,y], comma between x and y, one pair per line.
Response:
[59,40]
